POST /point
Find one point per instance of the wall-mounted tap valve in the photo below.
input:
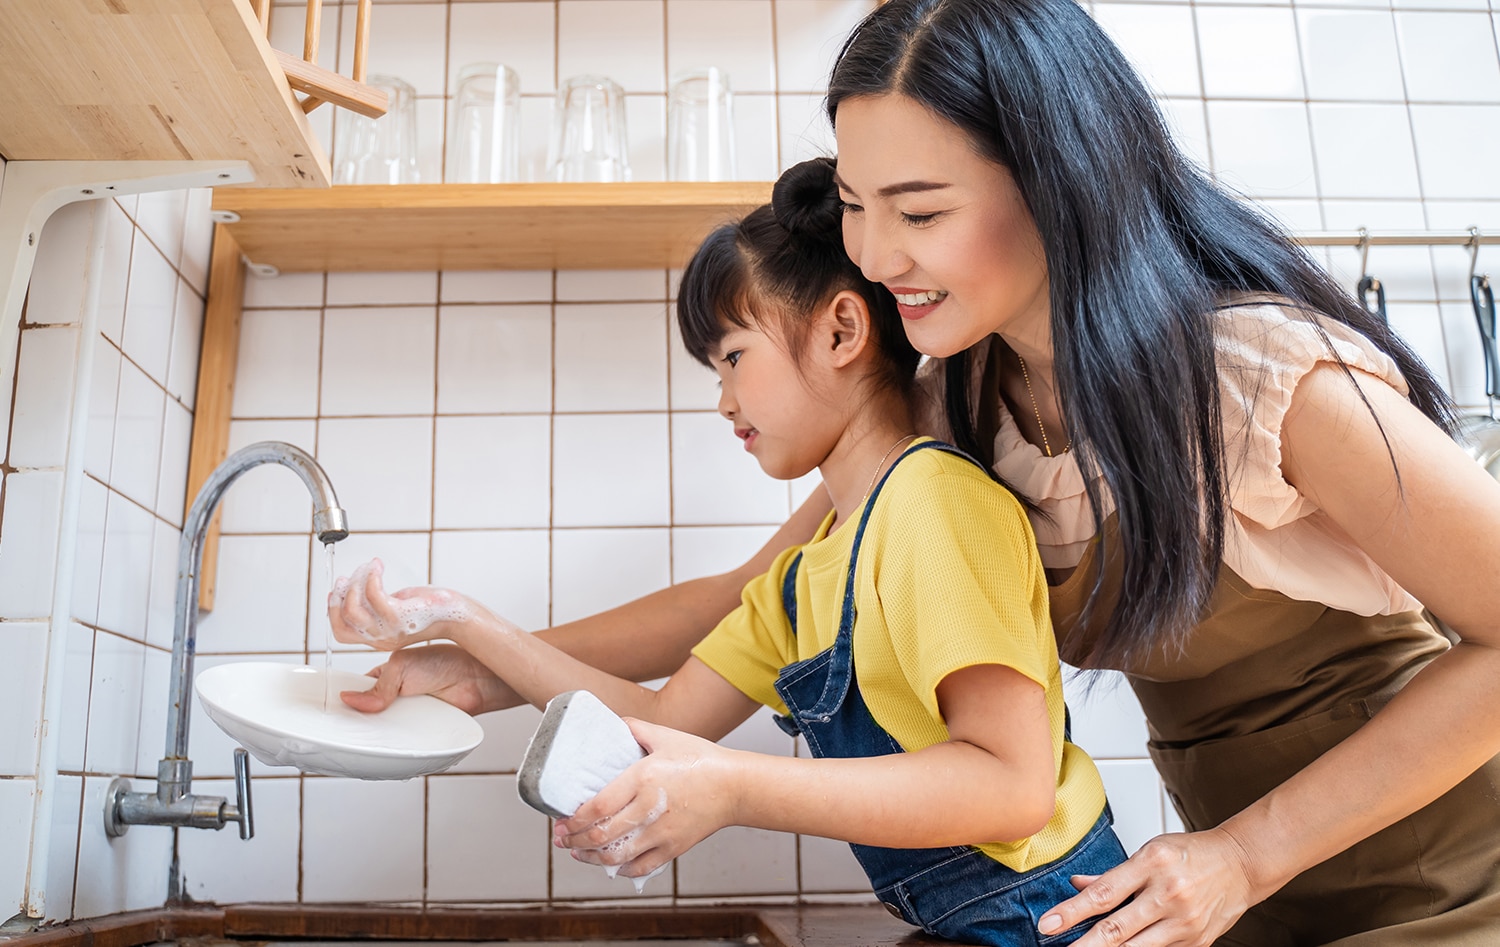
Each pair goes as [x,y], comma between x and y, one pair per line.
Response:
[123,808]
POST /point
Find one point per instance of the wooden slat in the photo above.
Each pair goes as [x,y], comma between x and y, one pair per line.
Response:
[329,86]
[216,371]
[483,226]
[150,80]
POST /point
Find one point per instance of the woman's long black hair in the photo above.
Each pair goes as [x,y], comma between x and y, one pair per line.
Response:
[1140,249]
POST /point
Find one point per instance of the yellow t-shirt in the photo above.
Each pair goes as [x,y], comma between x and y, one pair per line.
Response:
[948,577]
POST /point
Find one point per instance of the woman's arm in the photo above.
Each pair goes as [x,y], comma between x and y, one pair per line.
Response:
[1437,533]
[992,780]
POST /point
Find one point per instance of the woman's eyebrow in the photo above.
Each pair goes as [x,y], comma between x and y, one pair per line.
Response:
[891,190]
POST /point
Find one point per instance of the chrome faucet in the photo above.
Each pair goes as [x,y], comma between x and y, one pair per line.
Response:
[173,804]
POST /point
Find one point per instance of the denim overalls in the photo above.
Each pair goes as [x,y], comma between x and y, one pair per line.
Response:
[956,892]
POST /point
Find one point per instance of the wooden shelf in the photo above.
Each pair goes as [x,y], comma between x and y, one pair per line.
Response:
[482,226]
[150,80]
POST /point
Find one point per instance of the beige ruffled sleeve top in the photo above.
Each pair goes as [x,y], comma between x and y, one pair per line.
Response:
[1276,539]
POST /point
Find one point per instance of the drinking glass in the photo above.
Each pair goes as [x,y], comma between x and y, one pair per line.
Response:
[589,142]
[379,150]
[700,127]
[487,132]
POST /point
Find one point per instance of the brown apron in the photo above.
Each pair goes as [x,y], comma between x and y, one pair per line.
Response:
[1265,685]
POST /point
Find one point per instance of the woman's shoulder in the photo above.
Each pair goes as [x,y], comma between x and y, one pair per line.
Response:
[1266,340]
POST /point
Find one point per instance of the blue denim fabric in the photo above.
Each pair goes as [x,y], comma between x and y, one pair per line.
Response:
[956,892]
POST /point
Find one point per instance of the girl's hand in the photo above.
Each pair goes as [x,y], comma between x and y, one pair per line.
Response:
[1187,890]
[360,611]
[679,795]
[445,671]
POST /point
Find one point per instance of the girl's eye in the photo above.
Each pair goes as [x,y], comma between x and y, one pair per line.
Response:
[732,358]
[919,220]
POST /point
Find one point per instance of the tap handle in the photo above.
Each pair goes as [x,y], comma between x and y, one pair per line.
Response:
[242,793]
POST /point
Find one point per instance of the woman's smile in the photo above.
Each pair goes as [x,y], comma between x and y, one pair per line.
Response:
[913,304]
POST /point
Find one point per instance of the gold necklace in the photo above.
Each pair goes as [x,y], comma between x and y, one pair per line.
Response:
[883,457]
[1038,411]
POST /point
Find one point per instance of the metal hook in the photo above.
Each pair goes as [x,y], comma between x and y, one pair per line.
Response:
[1364,253]
[1474,236]
[1367,283]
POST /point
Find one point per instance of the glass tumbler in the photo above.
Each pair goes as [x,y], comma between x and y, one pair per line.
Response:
[379,150]
[700,128]
[487,130]
[589,141]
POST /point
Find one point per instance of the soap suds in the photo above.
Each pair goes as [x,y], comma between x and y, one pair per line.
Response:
[413,613]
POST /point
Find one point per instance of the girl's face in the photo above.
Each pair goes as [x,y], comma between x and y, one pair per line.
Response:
[945,229]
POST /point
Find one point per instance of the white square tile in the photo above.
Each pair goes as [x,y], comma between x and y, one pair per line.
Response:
[138,425]
[1263,148]
[714,480]
[1135,798]
[754,138]
[149,305]
[574,879]
[187,345]
[42,412]
[1449,57]
[1108,722]
[497,286]
[803,130]
[58,285]
[610,285]
[492,472]
[393,494]
[829,865]
[78,673]
[505,570]
[161,606]
[646,125]
[469,819]
[284,291]
[1348,167]
[17,799]
[622,39]
[699,551]
[270,498]
[519,35]
[125,589]
[33,513]
[342,860]
[176,441]
[406,40]
[405,556]
[62,862]
[694,385]
[610,470]
[1350,54]
[122,874]
[740,861]
[261,596]
[507,733]
[114,276]
[276,375]
[21,695]
[1188,125]
[732,35]
[1420,326]
[597,569]
[160,215]
[809,34]
[218,866]
[630,339]
[1249,52]
[1160,42]
[1291,214]
[1454,148]
[88,556]
[494,359]
[211,749]
[156,689]
[414,288]
[378,361]
[115,704]
[197,239]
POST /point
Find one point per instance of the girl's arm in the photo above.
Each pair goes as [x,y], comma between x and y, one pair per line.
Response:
[993,780]
[1437,533]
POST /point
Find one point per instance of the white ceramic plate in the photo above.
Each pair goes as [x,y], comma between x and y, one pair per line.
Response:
[276,712]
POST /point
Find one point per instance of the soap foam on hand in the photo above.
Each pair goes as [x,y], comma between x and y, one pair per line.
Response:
[415,612]
[579,747]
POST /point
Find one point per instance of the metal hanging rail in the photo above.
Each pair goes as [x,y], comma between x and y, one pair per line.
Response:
[1397,238]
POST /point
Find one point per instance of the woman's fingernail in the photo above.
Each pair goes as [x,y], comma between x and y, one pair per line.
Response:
[1050,924]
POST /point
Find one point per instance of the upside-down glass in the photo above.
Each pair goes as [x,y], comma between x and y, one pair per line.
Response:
[589,141]
[700,128]
[486,146]
[379,150]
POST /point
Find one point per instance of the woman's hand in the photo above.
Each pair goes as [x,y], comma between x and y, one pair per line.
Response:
[360,611]
[445,671]
[680,794]
[1184,891]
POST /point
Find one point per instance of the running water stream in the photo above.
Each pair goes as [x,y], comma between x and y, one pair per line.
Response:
[328,637]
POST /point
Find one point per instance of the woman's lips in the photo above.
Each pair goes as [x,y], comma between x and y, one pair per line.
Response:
[916,304]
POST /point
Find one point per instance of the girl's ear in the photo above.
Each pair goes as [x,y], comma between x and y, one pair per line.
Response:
[846,327]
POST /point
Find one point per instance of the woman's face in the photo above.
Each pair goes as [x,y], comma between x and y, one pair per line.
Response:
[945,229]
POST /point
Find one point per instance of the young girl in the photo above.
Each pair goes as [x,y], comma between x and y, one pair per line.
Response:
[908,641]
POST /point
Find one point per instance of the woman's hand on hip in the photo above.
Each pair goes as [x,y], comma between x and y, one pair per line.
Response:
[361,612]
[679,794]
[1183,890]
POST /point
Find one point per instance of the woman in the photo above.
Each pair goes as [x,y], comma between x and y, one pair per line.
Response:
[1244,486]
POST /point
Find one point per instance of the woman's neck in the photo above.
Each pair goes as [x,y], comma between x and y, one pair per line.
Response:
[869,445]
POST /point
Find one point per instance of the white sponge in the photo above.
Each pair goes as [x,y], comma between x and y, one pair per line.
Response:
[578,748]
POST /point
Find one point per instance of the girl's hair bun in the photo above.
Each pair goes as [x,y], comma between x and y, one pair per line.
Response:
[806,201]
